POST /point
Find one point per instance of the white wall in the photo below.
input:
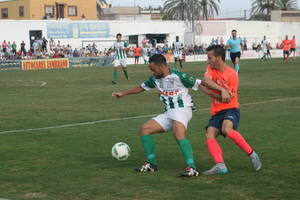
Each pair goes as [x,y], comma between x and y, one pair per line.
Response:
[252,30]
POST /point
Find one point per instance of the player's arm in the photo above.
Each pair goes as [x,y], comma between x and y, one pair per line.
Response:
[209,92]
[225,95]
[228,44]
[135,90]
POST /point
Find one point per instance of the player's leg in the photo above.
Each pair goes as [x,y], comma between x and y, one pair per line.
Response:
[124,67]
[180,62]
[215,151]
[180,119]
[229,126]
[212,132]
[175,61]
[237,63]
[145,132]
[115,72]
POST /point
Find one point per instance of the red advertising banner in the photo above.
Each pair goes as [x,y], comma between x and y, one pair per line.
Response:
[45,64]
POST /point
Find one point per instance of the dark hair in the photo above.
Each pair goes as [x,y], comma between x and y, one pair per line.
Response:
[158,59]
[119,34]
[233,30]
[218,51]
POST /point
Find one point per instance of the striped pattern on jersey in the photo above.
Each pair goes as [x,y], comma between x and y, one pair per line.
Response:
[177,46]
[120,50]
[173,89]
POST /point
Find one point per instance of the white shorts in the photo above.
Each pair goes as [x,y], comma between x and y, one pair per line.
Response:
[165,120]
[178,56]
[121,62]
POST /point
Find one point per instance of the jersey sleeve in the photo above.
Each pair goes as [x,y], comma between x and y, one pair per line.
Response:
[148,84]
[125,44]
[188,81]
[208,73]
[228,42]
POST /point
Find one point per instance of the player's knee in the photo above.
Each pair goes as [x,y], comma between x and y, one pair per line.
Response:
[226,130]
[144,130]
[210,135]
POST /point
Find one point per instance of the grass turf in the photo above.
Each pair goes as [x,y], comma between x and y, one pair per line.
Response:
[75,162]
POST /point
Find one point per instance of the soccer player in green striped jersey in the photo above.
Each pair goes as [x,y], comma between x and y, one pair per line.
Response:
[119,58]
[173,87]
[177,52]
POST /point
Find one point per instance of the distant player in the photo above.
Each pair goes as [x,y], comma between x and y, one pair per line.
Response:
[145,51]
[225,116]
[137,53]
[264,48]
[173,87]
[293,47]
[177,52]
[234,44]
[119,57]
[285,44]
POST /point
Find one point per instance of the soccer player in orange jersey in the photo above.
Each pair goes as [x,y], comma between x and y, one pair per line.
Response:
[285,44]
[225,115]
[293,47]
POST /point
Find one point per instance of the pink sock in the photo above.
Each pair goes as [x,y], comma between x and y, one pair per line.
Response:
[215,150]
[240,141]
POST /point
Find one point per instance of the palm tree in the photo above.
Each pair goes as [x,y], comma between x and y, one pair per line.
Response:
[287,4]
[210,7]
[264,7]
[188,9]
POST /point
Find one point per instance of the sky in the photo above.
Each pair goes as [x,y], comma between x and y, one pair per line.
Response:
[226,8]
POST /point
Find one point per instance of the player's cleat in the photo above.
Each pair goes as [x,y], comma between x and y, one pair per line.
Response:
[189,171]
[219,168]
[113,82]
[146,167]
[255,161]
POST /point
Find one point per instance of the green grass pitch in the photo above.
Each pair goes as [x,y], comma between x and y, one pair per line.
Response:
[75,163]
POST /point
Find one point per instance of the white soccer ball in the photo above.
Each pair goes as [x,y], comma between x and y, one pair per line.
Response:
[120,151]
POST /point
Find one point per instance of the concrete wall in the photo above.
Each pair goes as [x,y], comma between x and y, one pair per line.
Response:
[17,30]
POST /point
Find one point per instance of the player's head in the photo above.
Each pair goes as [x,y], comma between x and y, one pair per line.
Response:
[157,65]
[119,36]
[233,33]
[294,36]
[286,37]
[177,38]
[215,55]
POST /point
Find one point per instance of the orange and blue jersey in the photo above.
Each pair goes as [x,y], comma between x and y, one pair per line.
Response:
[286,45]
[293,43]
[227,79]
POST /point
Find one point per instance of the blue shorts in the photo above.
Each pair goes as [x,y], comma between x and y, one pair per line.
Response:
[232,114]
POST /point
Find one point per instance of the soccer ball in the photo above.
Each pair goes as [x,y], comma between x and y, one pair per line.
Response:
[120,151]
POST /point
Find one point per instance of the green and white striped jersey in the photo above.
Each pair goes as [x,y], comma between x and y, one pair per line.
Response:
[173,89]
[119,48]
[177,46]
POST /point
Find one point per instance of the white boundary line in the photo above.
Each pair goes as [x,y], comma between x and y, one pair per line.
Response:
[134,117]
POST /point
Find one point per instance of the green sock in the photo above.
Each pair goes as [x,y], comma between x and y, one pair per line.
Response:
[187,152]
[149,148]
[237,68]
[174,65]
[125,73]
[115,75]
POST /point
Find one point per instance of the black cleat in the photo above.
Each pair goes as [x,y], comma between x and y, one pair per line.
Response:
[146,167]
[113,82]
[189,172]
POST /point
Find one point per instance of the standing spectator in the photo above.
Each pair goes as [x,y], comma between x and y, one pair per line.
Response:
[23,50]
[14,48]
[245,44]
[52,44]
[44,44]
[4,46]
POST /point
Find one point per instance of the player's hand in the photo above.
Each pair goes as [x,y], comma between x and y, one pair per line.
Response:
[225,96]
[117,94]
